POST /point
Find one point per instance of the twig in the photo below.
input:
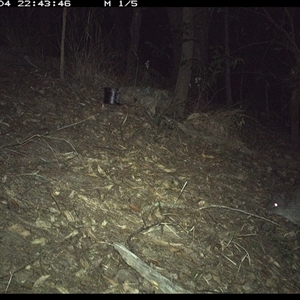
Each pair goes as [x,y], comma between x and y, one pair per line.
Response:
[73,124]
[239,210]
[180,193]
[8,284]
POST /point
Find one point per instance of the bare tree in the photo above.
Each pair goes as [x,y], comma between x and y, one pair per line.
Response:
[185,68]
[175,19]
[288,39]
[62,44]
[200,67]
[132,58]
[227,59]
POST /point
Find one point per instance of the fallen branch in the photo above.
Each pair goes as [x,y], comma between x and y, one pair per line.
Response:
[164,284]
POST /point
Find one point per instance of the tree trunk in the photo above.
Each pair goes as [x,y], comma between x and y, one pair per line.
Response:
[289,39]
[295,105]
[62,44]
[199,71]
[175,19]
[132,58]
[185,69]
[44,16]
[119,34]
[227,66]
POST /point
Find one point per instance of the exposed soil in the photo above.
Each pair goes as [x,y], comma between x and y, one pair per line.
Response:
[79,178]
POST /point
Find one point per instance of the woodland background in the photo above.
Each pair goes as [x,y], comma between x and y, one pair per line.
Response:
[246,58]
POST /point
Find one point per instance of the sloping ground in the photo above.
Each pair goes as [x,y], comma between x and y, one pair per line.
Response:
[79,179]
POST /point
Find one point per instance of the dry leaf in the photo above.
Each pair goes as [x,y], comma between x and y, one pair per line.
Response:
[40,281]
[19,229]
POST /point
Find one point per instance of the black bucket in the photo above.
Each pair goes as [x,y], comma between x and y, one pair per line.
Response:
[111,96]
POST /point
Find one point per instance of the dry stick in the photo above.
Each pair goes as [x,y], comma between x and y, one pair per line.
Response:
[155,278]
[36,173]
[180,193]
[145,228]
[42,137]
[73,124]
[51,149]
[22,267]
[10,278]
[239,210]
[27,140]
[46,135]
[60,139]
[123,123]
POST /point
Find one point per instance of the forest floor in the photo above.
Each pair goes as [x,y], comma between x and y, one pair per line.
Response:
[99,198]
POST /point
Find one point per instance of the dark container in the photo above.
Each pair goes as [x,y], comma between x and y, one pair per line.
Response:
[111,96]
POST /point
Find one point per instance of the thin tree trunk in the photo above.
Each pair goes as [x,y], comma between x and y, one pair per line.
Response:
[44,16]
[185,69]
[132,57]
[62,44]
[175,19]
[201,25]
[289,35]
[227,54]
[295,106]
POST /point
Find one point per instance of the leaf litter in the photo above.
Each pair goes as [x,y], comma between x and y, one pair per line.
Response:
[112,199]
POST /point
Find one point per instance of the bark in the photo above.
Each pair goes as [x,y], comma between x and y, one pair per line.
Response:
[132,58]
[201,24]
[227,64]
[175,19]
[185,69]
[44,16]
[199,72]
[288,39]
[62,44]
[295,106]
[119,34]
